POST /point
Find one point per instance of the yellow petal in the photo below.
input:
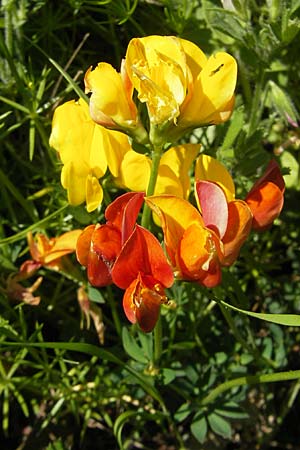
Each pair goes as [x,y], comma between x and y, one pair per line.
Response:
[157,68]
[74,182]
[195,58]
[179,159]
[117,145]
[77,138]
[134,171]
[210,169]
[94,193]
[109,103]
[213,90]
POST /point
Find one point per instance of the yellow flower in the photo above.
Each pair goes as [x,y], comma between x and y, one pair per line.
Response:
[111,103]
[86,151]
[178,83]
[173,173]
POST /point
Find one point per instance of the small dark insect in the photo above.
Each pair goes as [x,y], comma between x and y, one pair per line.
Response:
[216,70]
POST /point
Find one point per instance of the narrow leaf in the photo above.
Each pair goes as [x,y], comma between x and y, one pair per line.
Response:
[291,320]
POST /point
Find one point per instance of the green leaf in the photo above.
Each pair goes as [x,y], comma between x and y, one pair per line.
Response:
[131,347]
[119,424]
[234,128]
[283,103]
[146,340]
[291,320]
[219,425]
[199,429]
[182,412]
[232,411]
[95,295]
[168,376]
[292,178]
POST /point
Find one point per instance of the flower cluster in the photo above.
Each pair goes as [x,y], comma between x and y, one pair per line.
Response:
[128,135]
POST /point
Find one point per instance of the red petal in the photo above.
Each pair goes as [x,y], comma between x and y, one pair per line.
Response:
[104,249]
[142,303]
[123,212]
[97,271]
[143,253]
[213,205]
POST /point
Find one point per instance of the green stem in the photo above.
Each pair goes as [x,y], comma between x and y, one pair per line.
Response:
[250,380]
[156,155]
[256,109]
[114,311]
[157,342]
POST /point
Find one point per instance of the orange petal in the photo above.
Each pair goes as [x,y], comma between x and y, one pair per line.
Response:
[198,254]
[238,229]
[63,245]
[266,203]
[175,214]
[84,244]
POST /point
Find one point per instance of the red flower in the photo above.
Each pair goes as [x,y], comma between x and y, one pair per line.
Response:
[143,270]
[99,245]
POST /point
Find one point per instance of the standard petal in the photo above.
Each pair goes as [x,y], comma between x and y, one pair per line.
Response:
[116,146]
[213,89]
[123,212]
[179,159]
[210,169]
[213,205]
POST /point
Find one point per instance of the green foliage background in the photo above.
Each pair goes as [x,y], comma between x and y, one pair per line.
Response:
[218,384]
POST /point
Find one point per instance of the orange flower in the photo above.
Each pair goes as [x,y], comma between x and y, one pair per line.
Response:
[266,197]
[198,245]
[144,272]
[99,245]
[48,252]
